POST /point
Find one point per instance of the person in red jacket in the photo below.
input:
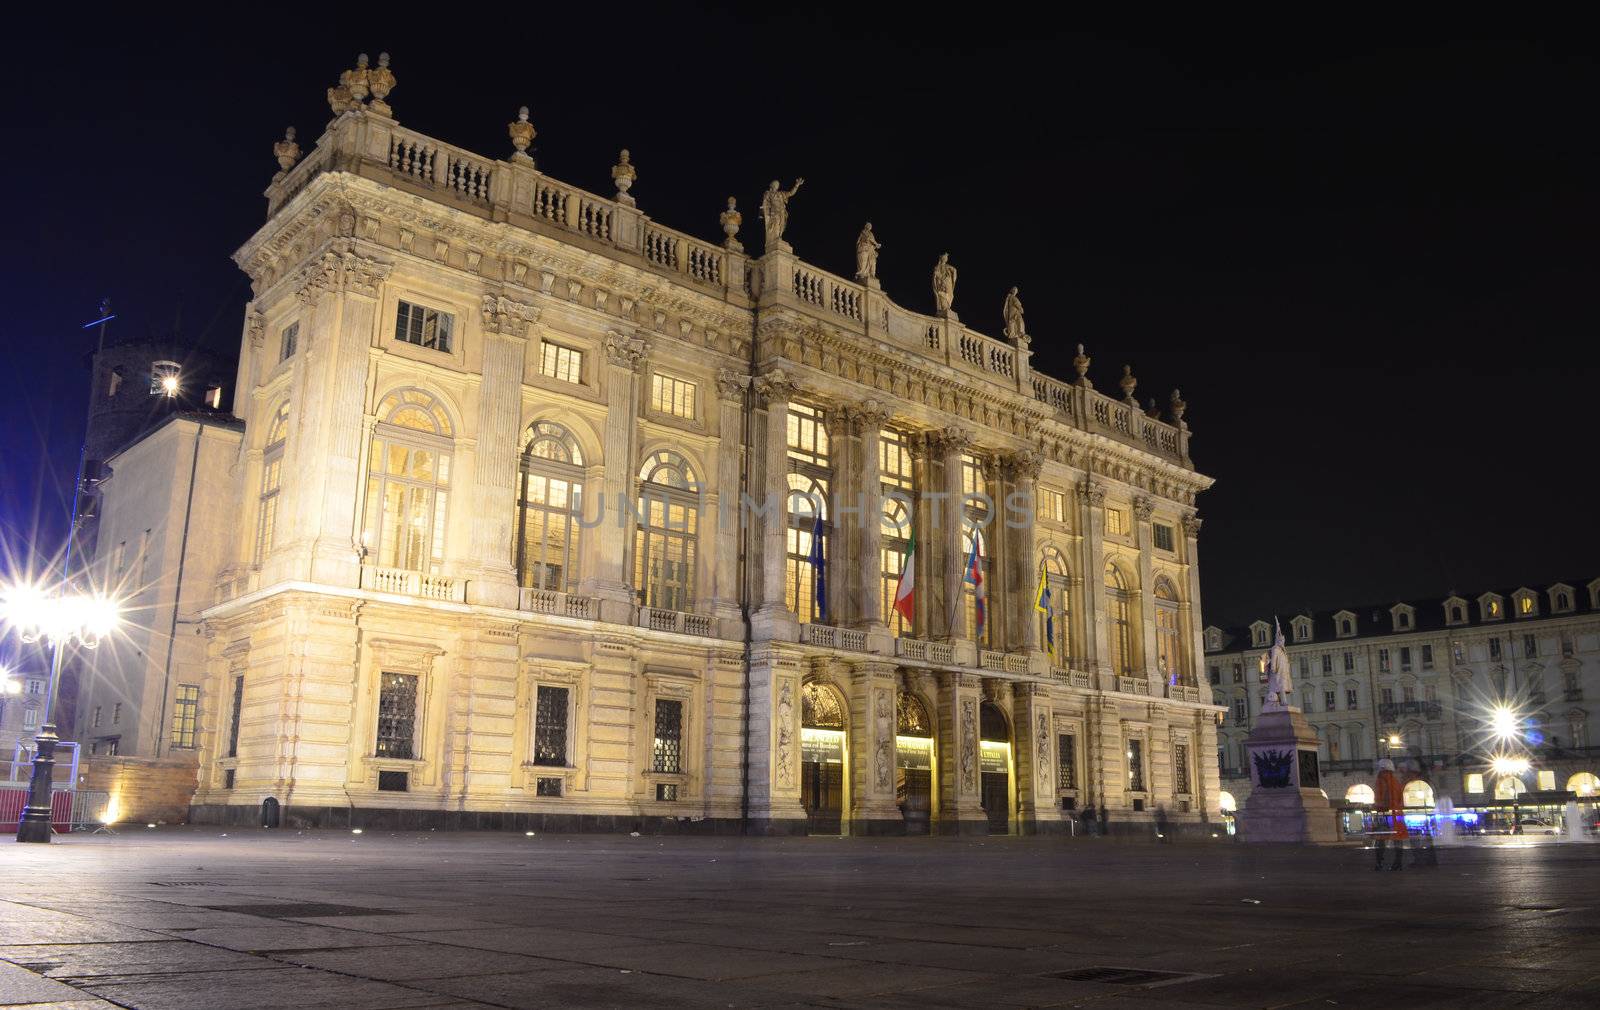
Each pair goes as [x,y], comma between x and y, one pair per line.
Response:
[1388,814]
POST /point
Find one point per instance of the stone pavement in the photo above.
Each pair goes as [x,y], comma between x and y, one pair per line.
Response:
[193,917]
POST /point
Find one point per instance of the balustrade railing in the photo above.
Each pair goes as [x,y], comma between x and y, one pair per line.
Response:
[676,621]
[830,637]
[548,601]
[407,583]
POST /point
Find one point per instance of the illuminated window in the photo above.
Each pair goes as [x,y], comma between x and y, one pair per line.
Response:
[896,475]
[425,327]
[408,482]
[810,476]
[165,377]
[1116,521]
[271,481]
[1525,605]
[667,755]
[1066,761]
[561,363]
[1055,567]
[1169,652]
[1474,782]
[549,508]
[287,341]
[1163,536]
[671,396]
[550,728]
[975,508]
[1547,779]
[668,532]
[1135,766]
[1119,623]
[186,716]
[1052,506]
[1180,769]
[397,716]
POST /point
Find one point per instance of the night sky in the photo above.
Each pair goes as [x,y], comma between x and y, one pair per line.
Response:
[1369,263]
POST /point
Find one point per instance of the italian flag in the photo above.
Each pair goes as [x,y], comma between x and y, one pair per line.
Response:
[905,594]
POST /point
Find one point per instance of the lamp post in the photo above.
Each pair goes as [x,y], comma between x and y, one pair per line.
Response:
[60,619]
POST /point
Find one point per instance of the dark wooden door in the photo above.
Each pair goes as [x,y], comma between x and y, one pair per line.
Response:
[916,799]
[996,802]
[822,793]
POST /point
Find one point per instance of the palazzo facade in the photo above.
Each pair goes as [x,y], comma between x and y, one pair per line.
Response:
[504,552]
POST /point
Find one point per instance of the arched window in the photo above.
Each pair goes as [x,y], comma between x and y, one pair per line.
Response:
[1057,624]
[1359,793]
[668,531]
[408,481]
[549,508]
[1585,784]
[271,480]
[1169,652]
[1509,787]
[976,495]
[1418,793]
[897,477]
[1226,802]
[1119,622]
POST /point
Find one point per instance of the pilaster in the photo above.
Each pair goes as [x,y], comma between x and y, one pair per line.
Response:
[773,619]
[609,544]
[1143,510]
[491,578]
[1092,520]
[960,799]
[1034,733]
[869,420]
[723,545]
[873,689]
[774,740]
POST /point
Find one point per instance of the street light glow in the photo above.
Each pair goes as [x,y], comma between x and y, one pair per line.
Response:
[80,618]
[1514,766]
[1503,722]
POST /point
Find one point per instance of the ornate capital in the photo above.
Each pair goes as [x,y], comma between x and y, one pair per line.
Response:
[1024,465]
[625,351]
[1143,509]
[1191,524]
[870,417]
[950,440]
[731,384]
[502,315]
[1093,491]
[334,272]
[775,387]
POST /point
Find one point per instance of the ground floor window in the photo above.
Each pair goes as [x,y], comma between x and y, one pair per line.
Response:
[550,727]
[668,755]
[1136,766]
[397,716]
[1066,761]
[1180,769]
[186,717]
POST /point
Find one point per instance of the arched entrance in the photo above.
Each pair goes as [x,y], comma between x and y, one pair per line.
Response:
[822,751]
[1585,784]
[994,762]
[913,765]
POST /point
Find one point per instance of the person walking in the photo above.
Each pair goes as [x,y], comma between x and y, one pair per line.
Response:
[1088,821]
[1388,814]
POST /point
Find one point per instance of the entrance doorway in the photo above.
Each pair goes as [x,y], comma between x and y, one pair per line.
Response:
[822,750]
[913,766]
[994,762]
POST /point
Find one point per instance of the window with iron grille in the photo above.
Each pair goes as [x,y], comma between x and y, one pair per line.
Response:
[1066,761]
[1163,536]
[186,716]
[233,722]
[547,787]
[550,731]
[1180,769]
[291,336]
[666,791]
[424,327]
[1136,766]
[397,716]
[394,782]
[669,736]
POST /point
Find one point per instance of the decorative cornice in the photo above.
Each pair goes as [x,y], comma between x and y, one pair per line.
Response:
[336,271]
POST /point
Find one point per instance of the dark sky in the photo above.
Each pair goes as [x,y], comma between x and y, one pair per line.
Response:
[1369,263]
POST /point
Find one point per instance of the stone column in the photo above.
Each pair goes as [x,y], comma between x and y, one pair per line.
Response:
[842,516]
[1023,469]
[774,741]
[492,580]
[960,803]
[923,510]
[949,445]
[869,421]
[723,544]
[1092,520]
[608,547]
[773,619]
[1143,509]
[1034,730]
[873,686]
[1194,636]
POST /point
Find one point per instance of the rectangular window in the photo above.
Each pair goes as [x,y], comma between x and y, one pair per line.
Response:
[30,718]
[1135,766]
[1327,663]
[675,397]
[1053,506]
[1530,646]
[1066,761]
[1216,674]
[233,722]
[98,713]
[1547,779]
[1427,657]
[666,792]
[1163,536]
[291,336]
[116,713]
[144,561]
[561,363]
[397,716]
[1475,782]
[1494,648]
[1180,769]
[424,327]
[1238,673]
[1388,696]
[1327,701]
[669,736]
[547,787]
[1431,693]
[1350,700]
[1116,521]
[394,782]
[1239,710]
[1405,657]
[1349,661]
[186,716]
[1383,661]
[550,728]
[1305,666]
[1408,693]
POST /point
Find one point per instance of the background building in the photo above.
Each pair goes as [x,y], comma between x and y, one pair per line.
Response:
[481,556]
[1420,682]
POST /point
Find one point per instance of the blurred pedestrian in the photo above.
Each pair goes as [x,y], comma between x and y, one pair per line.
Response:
[1388,814]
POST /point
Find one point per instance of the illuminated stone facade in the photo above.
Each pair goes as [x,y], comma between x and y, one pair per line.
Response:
[454,366]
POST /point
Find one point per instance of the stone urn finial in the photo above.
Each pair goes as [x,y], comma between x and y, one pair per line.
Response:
[1178,407]
[1128,384]
[380,82]
[1081,363]
[1154,410]
[623,173]
[286,151]
[339,100]
[731,220]
[522,133]
[357,81]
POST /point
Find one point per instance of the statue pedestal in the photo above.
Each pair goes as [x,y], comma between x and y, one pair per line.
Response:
[1286,803]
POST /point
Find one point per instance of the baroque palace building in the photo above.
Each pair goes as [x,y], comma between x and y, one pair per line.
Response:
[499,546]
[1421,682]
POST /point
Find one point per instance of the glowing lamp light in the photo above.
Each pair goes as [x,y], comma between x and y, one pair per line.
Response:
[1394,739]
[11,686]
[355,831]
[1515,766]
[78,618]
[1503,722]
[169,385]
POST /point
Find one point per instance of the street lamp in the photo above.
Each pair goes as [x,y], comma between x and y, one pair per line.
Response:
[61,619]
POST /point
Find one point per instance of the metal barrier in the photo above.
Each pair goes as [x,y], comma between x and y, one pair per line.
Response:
[70,809]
